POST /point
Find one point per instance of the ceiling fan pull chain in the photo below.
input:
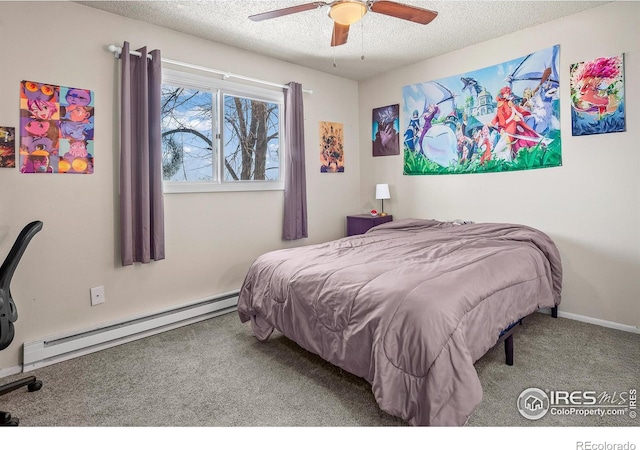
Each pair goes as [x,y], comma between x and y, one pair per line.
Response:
[362,34]
[333,34]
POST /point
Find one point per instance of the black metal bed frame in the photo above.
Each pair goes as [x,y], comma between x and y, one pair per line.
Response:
[507,337]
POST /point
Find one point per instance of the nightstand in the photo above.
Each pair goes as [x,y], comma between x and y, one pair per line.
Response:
[360,223]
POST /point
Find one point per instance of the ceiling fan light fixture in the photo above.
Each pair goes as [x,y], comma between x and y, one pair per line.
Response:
[347,12]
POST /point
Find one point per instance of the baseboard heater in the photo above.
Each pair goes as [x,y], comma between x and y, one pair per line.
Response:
[55,349]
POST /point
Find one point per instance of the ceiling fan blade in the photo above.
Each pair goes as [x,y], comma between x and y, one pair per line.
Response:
[286,11]
[340,34]
[413,13]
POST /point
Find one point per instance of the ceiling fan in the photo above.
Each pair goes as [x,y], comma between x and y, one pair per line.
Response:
[347,12]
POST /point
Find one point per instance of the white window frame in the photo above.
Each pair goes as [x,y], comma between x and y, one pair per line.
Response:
[218,88]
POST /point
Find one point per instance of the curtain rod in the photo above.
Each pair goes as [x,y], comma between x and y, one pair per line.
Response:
[225,75]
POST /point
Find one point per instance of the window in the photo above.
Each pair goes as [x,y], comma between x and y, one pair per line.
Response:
[218,135]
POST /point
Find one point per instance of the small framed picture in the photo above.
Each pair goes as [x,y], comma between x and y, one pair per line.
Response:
[385,131]
[597,96]
[7,147]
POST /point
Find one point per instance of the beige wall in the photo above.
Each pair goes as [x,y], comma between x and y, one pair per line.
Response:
[590,206]
[211,238]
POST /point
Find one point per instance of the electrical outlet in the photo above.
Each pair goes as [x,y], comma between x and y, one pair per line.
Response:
[97,295]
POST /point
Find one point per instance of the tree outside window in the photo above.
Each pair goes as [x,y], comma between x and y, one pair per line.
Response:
[249,137]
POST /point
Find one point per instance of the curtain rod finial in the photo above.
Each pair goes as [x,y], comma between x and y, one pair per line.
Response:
[115,50]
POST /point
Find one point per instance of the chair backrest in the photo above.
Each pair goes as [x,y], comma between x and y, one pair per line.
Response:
[8,310]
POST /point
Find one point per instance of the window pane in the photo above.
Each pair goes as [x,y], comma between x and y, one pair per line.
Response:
[187,134]
[251,139]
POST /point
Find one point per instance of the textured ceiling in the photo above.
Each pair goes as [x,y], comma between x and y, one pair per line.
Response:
[304,38]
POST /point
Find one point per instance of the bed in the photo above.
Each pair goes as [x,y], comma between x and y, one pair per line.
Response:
[409,306]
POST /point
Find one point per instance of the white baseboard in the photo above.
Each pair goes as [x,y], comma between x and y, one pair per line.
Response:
[10,371]
[593,321]
[54,349]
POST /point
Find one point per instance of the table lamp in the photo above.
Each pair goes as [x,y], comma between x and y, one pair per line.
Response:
[382,193]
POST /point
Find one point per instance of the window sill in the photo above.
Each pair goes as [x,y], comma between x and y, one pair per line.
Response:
[236,186]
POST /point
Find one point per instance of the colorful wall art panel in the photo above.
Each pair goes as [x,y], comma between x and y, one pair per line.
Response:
[56,129]
[7,147]
[500,118]
[331,147]
[386,131]
[597,96]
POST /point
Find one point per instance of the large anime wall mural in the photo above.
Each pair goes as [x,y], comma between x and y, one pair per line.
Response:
[56,129]
[500,118]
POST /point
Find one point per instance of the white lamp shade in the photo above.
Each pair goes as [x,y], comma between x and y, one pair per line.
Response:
[382,192]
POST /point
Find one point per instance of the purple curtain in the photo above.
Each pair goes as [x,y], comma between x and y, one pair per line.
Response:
[141,198]
[295,181]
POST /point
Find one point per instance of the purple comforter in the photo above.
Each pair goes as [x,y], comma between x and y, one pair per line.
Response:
[409,306]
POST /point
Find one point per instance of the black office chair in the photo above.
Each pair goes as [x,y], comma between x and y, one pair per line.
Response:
[9,313]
